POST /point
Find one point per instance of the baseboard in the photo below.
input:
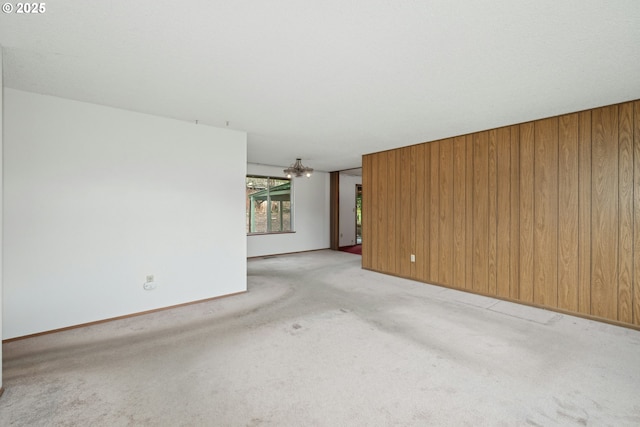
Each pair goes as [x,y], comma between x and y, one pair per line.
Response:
[286,253]
[1,391]
[529,304]
[111,319]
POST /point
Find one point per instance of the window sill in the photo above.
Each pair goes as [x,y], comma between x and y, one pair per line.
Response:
[271,232]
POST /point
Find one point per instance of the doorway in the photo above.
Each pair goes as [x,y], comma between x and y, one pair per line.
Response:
[358,214]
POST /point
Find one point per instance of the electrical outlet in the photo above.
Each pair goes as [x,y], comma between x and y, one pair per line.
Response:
[149,286]
[413,258]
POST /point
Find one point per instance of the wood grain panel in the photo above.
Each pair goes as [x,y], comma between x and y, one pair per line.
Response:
[584,213]
[371,206]
[385,216]
[493,214]
[375,202]
[421,237]
[427,212]
[625,203]
[459,212]
[366,211]
[434,205]
[398,225]
[568,212]
[405,209]
[412,211]
[545,235]
[604,212]
[481,212]
[468,282]
[527,157]
[514,253]
[445,265]
[391,207]
[503,223]
[636,213]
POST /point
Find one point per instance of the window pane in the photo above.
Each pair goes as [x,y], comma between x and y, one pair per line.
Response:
[280,195]
[268,203]
[257,193]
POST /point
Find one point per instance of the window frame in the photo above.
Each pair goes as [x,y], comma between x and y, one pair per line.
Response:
[291,197]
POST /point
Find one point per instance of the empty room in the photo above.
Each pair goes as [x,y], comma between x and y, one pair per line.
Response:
[316,214]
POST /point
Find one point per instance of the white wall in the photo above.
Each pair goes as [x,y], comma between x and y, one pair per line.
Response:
[348,209]
[1,202]
[311,216]
[96,198]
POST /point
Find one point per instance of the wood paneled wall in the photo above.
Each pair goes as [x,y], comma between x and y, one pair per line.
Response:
[545,212]
[334,209]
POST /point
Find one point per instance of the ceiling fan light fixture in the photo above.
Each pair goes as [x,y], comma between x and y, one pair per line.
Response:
[298,169]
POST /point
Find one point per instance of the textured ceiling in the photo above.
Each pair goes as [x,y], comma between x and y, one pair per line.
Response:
[329,81]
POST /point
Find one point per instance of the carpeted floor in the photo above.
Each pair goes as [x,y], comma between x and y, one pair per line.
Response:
[317,341]
[355,249]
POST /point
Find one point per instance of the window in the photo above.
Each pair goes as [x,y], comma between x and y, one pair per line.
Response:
[268,205]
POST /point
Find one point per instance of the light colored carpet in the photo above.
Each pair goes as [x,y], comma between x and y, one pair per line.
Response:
[319,342]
